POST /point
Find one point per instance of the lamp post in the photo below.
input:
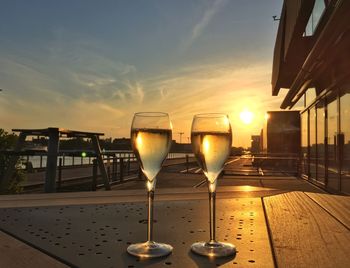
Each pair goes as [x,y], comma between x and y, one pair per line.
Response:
[180,133]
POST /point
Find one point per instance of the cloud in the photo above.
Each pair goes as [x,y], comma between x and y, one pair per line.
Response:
[92,92]
[136,91]
[163,93]
[200,26]
[223,87]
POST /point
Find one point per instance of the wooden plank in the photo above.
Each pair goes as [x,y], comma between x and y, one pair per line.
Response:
[305,235]
[16,254]
[337,205]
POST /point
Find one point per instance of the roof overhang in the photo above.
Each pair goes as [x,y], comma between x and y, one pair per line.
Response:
[328,61]
[291,47]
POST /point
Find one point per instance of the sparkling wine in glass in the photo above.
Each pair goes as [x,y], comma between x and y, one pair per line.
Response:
[211,138]
[151,136]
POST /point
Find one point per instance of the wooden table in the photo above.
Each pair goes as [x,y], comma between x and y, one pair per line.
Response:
[295,229]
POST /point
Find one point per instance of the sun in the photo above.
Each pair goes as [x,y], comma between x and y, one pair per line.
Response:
[246,116]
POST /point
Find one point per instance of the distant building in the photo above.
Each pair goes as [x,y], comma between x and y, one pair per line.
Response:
[255,144]
[122,144]
[312,60]
[281,135]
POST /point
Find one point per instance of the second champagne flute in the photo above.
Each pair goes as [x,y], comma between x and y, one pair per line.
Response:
[151,135]
[211,138]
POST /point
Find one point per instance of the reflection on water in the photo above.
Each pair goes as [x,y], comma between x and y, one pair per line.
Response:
[40,161]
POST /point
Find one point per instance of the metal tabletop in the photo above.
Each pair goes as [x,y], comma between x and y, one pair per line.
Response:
[98,235]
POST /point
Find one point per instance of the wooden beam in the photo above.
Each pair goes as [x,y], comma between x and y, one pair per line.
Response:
[303,234]
[101,165]
[51,162]
[336,205]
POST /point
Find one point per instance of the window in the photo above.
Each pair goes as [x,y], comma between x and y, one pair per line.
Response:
[310,96]
[304,144]
[320,119]
[332,131]
[313,155]
[344,141]
[315,17]
[299,105]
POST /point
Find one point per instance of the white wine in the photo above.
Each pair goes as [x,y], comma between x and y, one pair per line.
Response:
[211,137]
[151,146]
[211,150]
[151,141]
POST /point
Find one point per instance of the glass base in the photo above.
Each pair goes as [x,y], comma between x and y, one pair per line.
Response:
[213,249]
[149,249]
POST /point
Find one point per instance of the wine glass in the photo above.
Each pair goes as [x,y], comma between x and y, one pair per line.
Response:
[211,138]
[151,136]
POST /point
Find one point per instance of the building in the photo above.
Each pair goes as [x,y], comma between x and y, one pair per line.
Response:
[312,60]
[255,144]
[281,133]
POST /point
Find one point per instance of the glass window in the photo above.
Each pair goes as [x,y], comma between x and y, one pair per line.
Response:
[332,129]
[321,171]
[304,144]
[315,17]
[312,127]
[299,105]
[310,96]
[344,141]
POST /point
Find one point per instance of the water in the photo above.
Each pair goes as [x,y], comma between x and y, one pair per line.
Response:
[68,160]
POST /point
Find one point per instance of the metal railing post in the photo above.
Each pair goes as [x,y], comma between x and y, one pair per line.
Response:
[139,173]
[121,169]
[59,184]
[187,163]
[128,163]
[94,175]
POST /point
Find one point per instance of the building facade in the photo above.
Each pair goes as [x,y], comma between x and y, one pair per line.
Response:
[312,61]
[255,144]
[281,133]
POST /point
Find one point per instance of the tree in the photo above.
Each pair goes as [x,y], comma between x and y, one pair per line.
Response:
[7,142]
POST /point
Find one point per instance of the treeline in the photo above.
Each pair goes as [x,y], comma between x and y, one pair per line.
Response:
[86,144]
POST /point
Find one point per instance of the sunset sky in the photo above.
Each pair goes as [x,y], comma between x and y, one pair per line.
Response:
[90,65]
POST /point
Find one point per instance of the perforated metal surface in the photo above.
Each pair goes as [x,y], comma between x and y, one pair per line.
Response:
[98,235]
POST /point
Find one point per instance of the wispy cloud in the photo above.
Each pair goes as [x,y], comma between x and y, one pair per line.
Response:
[225,88]
[200,26]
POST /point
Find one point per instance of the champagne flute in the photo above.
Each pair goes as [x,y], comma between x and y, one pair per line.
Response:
[151,136]
[211,138]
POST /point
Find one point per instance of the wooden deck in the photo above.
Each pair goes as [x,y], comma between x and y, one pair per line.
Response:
[269,228]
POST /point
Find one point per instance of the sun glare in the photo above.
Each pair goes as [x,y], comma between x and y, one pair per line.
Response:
[246,117]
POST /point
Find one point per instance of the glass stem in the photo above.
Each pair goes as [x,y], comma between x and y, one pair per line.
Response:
[150,216]
[212,200]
